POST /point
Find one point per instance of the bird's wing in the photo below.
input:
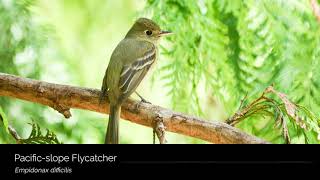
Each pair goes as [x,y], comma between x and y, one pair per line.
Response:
[104,89]
[133,72]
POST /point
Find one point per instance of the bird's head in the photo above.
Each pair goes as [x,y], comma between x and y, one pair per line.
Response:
[146,29]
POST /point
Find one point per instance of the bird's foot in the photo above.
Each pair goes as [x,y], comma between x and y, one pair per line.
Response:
[143,99]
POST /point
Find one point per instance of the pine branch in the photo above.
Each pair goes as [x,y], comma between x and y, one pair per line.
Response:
[64,97]
[284,111]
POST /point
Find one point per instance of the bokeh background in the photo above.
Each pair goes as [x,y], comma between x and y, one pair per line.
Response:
[221,51]
[70,42]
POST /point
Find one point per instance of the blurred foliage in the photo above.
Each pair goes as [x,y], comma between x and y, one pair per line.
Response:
[4,120]
[222,51]
[21,43]
[227,49]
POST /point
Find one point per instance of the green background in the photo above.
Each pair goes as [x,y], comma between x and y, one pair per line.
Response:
[221,51]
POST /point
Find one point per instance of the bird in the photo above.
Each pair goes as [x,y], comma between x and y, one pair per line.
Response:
[130,61]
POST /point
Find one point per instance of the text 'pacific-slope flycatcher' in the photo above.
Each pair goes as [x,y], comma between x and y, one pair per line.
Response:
[129,63]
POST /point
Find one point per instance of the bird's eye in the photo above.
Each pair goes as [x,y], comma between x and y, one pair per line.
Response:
[148,32]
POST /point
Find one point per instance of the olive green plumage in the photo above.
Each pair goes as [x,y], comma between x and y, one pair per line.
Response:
[129,63]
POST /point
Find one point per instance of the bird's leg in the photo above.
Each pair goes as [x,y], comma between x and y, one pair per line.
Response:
[142,99]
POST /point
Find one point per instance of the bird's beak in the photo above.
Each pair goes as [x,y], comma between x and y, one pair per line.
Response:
[165,33]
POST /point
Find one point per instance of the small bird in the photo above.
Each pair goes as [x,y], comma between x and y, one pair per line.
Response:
[129,64]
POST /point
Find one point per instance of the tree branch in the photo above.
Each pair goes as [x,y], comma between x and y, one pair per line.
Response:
[64,97]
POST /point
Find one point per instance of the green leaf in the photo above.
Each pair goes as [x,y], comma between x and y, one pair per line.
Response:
[4,120]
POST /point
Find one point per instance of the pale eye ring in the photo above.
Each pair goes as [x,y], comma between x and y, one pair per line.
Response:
[148,32]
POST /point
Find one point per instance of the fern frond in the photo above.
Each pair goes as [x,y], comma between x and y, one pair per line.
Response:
[36,136]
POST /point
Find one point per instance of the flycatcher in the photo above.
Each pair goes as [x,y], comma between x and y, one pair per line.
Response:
[129,64]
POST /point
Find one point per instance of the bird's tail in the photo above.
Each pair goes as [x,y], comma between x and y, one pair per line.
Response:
[112,135]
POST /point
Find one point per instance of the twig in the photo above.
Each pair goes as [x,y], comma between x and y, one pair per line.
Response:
[159,129]
[13,132]
[244,112]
